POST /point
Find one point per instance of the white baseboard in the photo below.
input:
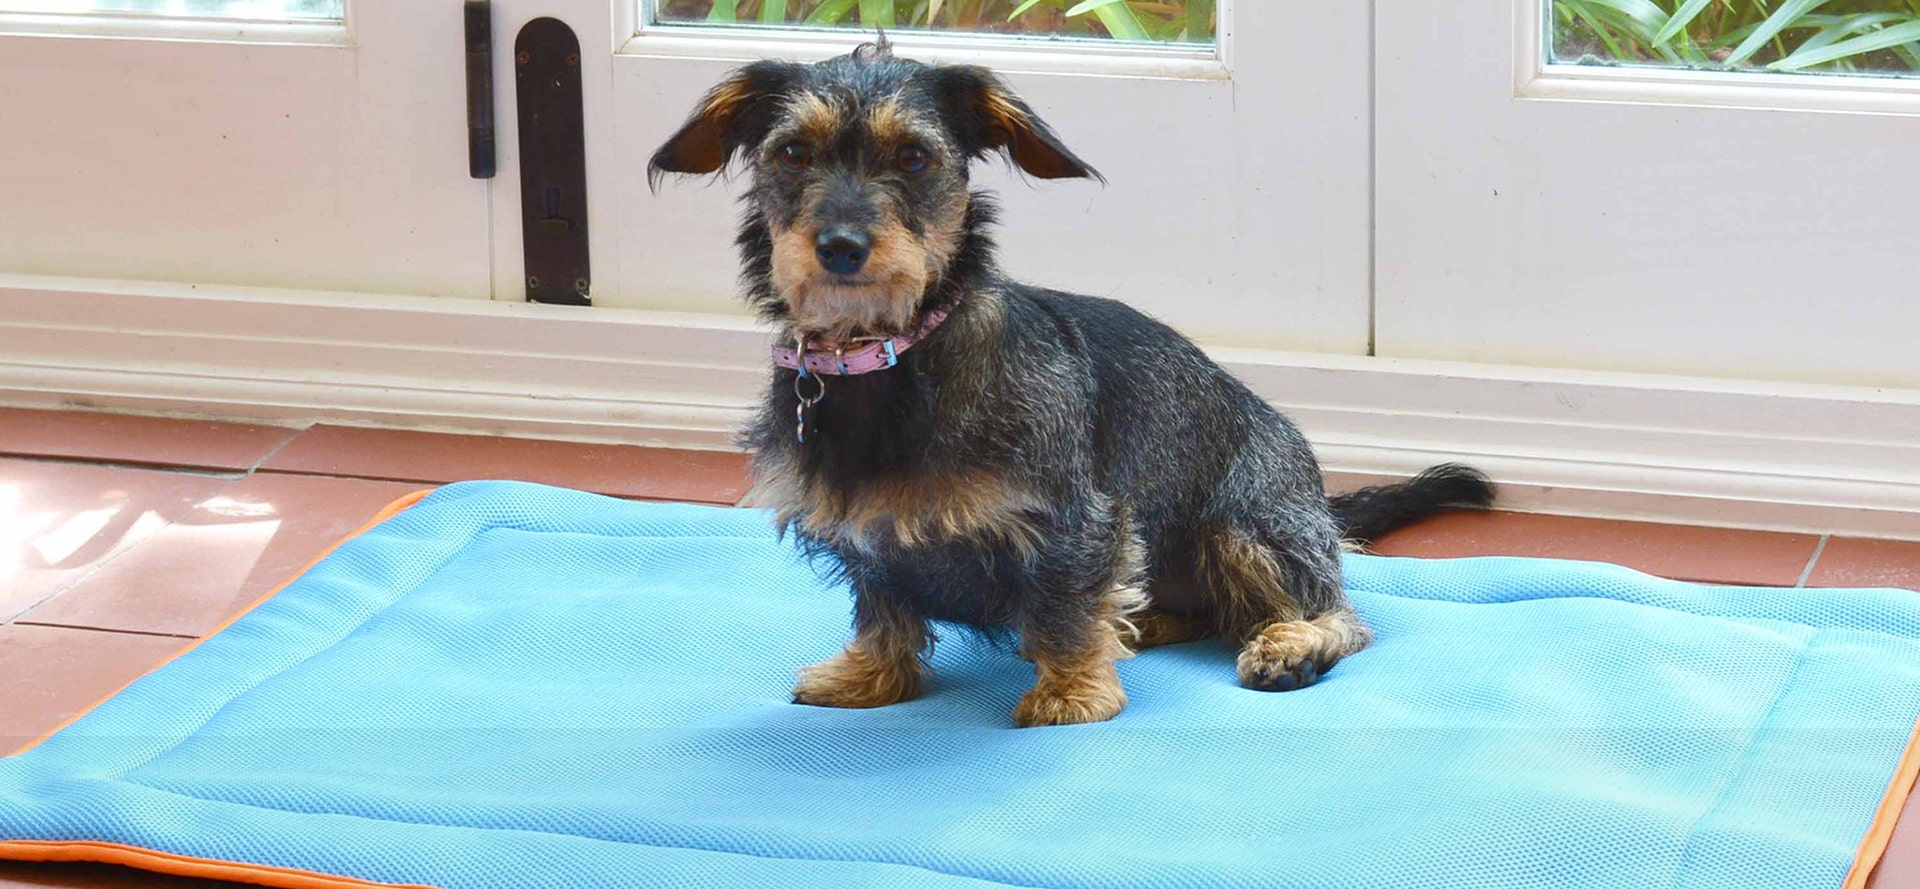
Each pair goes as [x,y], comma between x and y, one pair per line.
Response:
[1824,459]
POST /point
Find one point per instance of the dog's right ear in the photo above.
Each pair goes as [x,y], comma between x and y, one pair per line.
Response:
[733,116]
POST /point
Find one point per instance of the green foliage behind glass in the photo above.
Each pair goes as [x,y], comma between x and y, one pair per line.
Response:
[1847,36]
[1161,20]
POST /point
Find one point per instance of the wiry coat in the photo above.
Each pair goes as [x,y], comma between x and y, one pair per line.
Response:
[1057,466]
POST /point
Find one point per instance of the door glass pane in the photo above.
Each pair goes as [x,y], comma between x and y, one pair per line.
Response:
[1856,37]
[255,10]
[1165,21]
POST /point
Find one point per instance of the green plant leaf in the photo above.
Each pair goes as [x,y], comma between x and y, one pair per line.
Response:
[1894,35]
[1022,8]
[1781,19]
[830,12]
[1690,53]
[1847,26]
[933,12]
[1681,18]
[1600,29]
[1161,30]
[723,11]
[773,12]
[1910,52]
[1634,31]
[1647,18]
[1734,36]
[1811,20]
[1200,20]
[876,12]
[1114,14]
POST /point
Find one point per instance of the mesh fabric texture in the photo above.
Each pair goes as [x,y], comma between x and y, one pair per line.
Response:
[510,685]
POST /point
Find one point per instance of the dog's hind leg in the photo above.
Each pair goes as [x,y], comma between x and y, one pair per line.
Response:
[1287,643]
[1286,655]
[1153,628]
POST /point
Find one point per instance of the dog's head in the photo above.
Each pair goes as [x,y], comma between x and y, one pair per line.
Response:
[859,168]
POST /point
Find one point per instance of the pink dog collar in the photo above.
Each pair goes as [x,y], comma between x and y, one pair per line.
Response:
[877,355]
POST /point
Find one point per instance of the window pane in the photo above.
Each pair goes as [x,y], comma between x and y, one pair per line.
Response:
[258,10]
[1859,37]
[1181,21]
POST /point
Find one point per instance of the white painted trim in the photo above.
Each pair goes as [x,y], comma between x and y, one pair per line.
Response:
[1535,77]
[1828,459]
[193,29]
[1706,89]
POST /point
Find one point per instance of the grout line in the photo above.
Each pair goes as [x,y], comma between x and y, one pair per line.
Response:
[225,474]
[87,575]
[1818,549]
[148,633]
[336,476]
[302,430]
[716,499]
[711,497]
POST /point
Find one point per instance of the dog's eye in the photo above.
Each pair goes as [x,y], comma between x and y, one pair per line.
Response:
[794,156]
[912,158]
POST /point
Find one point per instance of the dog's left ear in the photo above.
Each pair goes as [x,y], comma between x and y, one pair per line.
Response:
[987,116]
[734,115]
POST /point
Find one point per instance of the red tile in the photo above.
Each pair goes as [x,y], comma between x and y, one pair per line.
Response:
[1849,562]
[147,441]
[15,875]
[48,674]
[229,550]
[1707,555]
[59,522]
[620,470]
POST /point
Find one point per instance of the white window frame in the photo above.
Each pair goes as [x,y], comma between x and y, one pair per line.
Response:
[635,35]
[1536,76]
[196,29]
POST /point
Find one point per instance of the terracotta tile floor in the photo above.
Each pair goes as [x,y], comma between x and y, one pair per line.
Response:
[122,539]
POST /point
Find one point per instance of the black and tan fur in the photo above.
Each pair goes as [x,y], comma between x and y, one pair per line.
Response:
[1054,466]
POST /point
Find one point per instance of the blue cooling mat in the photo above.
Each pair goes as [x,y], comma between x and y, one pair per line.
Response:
[517,686]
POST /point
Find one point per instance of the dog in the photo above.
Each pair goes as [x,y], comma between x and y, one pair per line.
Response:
[975,452]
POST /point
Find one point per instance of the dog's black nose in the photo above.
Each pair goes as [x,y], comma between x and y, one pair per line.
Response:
[842,250]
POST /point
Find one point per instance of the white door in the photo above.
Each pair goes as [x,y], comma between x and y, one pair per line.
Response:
[312,144]
[1237,161]
[1715,189]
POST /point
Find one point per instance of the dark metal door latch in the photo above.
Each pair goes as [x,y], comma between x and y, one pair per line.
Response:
[480,151]
[553,163]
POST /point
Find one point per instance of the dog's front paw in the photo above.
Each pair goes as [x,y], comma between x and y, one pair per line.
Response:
[856,680]
[1054,705]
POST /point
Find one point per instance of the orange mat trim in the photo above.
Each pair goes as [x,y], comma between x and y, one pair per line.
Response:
[1872,846]
[182,866]
[1880,833]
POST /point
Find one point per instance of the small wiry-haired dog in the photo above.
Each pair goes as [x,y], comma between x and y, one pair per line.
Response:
[985,453]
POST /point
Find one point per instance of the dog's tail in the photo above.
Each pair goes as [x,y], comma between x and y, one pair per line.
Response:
[1368,514]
